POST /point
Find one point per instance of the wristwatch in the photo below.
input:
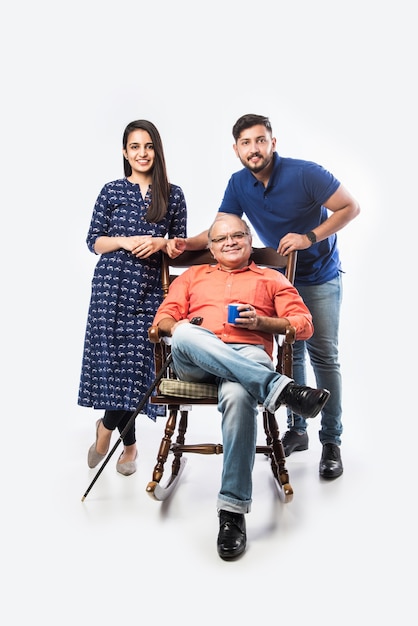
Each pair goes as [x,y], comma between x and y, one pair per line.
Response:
[311,236]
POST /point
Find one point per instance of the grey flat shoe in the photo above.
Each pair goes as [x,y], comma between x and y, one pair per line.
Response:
[127,468]
[93,457]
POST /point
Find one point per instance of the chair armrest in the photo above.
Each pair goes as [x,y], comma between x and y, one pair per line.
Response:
[284,363]
[154,334]
[290,335]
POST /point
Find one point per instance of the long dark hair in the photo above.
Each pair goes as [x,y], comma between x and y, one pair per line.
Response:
[160,186]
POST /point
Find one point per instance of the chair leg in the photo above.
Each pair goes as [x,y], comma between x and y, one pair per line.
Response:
[178,455]
[274,450]
[277,456]
[154,488]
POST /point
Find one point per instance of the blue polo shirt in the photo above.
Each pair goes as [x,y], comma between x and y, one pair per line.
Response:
[291,203]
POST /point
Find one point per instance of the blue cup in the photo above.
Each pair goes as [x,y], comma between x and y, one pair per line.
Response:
[233,313]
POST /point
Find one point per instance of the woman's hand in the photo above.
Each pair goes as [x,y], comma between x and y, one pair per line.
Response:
[143,246]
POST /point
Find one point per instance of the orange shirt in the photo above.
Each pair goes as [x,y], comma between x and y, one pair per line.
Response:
[206,290]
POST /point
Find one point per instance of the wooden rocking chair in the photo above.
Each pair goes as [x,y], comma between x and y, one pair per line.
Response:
[180,396]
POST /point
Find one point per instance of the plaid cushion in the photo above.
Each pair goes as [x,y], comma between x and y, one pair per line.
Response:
[184,389]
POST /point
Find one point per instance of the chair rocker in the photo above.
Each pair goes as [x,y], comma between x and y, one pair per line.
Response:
[180,396]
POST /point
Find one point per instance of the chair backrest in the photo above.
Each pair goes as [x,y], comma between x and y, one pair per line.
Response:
[265,257]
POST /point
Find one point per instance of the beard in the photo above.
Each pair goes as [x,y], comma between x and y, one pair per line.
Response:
[265,162]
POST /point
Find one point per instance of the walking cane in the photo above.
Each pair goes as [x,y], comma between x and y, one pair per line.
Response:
[194,320]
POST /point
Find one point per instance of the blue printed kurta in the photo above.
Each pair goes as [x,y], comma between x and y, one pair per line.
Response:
[118,361]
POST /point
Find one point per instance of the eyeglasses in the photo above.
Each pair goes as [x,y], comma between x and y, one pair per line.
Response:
[234,237]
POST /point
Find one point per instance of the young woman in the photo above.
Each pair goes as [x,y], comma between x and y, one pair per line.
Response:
[132,219]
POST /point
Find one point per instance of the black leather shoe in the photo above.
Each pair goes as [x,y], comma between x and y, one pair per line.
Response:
[293,441]
[232,537]
[330,465]
[303,400]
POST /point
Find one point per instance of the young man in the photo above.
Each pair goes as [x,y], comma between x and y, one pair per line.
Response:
[296,205]
[238,357]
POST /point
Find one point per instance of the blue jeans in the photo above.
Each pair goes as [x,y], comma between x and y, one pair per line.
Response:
[324,303]
[246,378]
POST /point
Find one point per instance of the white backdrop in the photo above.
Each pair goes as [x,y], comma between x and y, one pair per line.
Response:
[338,81]
[337,87]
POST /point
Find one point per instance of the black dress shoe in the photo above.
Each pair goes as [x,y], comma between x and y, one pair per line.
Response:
[293,441]
[330,465]
[303,400]
[232,537]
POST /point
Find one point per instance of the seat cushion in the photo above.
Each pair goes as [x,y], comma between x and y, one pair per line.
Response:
[184,389]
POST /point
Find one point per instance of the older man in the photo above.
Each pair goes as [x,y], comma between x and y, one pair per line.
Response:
[238,357]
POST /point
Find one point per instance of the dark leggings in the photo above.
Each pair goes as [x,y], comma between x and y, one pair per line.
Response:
[119,419]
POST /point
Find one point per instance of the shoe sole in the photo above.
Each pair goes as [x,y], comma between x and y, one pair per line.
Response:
[234,555]
[330,476]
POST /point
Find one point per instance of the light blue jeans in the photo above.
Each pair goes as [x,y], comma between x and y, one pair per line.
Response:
[246,378]
[324,303]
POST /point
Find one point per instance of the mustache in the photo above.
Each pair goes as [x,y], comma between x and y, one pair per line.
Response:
[255,154]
